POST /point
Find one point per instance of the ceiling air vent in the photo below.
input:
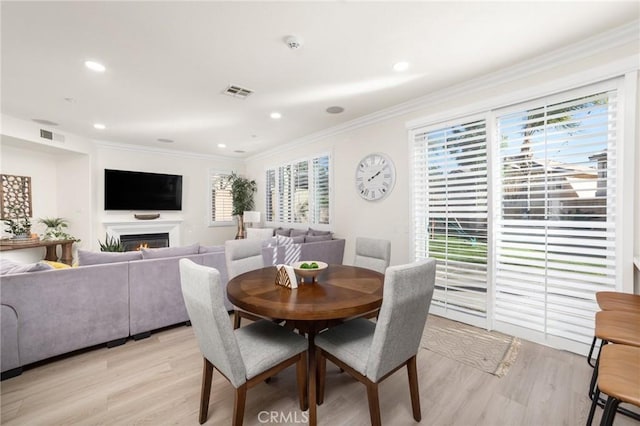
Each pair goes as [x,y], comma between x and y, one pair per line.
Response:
[46,134]
[237,91]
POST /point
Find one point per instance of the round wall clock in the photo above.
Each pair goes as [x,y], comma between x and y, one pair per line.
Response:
[375,176]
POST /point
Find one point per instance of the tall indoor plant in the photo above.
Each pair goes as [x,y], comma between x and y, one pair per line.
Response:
[242,190]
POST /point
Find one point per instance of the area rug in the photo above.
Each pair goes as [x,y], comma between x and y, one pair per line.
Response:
[489,351]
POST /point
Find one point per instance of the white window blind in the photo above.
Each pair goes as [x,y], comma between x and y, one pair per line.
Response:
[450,212]
[555,239]
[271,196]
[285,210]
[298,192]
[221,201]
[320,183]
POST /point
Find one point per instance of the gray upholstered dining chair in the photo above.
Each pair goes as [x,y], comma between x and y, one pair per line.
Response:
[246,356]
[372,254]
[242,256]
[370,351]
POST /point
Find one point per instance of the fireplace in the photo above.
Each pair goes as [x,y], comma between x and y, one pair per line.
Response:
[121,226]
[132,242]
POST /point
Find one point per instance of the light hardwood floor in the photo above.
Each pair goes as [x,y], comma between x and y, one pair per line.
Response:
[156,381]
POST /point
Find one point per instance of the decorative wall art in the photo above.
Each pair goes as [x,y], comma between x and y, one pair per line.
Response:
[15,197]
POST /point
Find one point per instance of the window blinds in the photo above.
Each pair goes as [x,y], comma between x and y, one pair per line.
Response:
[300,194]
[221,199]
[450,212]
[555,239]
[320,179]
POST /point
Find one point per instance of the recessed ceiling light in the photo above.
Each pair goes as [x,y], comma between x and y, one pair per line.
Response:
[221,145]
[95,66]
[335,109]
[165,140]
[99,126]
[275,115]
[401,66]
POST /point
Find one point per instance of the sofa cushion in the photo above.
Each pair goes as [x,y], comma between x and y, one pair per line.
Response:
[315,232]
[211,249]
[100,257]
[284,241]
[8,267]
[316,238]
[284,232]
[298,232]
[157,253]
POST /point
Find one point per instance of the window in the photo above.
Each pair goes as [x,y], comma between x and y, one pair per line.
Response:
[450,212]
[555,239]
[298,192]
[522,218]
[221,201]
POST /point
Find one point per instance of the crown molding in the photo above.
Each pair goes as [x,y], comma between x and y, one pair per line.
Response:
[602,42]
[163,151]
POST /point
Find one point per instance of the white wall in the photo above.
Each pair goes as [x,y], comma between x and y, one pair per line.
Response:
[390,217]
[68,181]
[194,170]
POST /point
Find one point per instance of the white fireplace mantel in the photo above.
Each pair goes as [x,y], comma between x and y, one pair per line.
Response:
[119,227]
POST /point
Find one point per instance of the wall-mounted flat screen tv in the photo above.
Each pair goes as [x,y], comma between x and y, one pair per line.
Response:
[130,190]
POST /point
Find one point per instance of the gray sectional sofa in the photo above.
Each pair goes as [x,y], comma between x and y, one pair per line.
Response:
[49,313]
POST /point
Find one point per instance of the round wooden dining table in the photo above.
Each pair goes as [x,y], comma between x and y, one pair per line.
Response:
[341,291]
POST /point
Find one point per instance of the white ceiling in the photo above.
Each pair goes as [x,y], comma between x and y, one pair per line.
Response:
[168,62]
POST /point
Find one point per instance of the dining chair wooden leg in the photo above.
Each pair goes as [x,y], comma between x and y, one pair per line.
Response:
[205,391]
[301,377]
[236,320]
[238,406]
[321,366]
[374,403]
[412,372]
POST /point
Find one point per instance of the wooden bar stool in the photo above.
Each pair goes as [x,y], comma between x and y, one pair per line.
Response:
[618,378]
[615,327]
[614,301]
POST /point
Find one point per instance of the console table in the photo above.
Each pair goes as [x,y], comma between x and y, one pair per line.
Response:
[51,245]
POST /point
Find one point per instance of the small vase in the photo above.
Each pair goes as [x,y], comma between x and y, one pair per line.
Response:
[240,232]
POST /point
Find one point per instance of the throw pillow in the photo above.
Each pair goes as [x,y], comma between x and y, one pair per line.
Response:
[8,267]
[283,241]
[283,232]
[299,239]
[98,258]
[316,238]
[315,232]
[298,232]
[157,253]
[57,265]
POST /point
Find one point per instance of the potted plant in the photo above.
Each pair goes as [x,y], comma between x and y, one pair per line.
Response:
[111,244]
[242,190]
[18,224]
[55,228]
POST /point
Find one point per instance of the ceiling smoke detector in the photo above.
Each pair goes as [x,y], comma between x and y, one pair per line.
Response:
[293,42]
